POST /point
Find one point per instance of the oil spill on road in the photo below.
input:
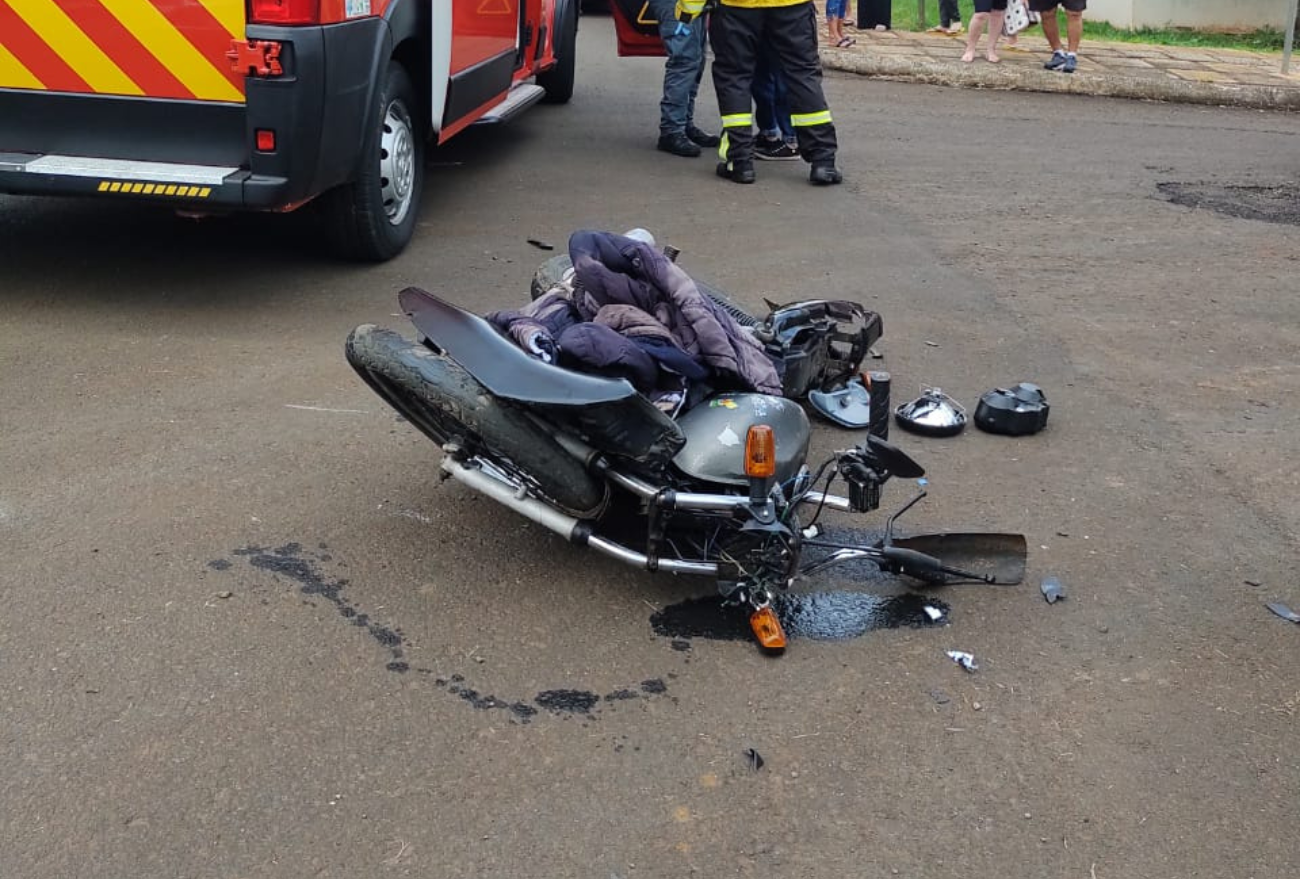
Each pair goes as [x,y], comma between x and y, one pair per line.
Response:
[302,567]
[820,616]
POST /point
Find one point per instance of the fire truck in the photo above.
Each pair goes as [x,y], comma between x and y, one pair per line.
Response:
[208,106]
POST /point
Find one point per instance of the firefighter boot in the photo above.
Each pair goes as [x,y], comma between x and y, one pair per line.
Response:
[825,175]
[737,172]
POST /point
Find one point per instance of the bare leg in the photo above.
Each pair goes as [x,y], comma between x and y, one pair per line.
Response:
[977,22]
[1052,29]
[1073,29]
[833,30]
[996,17]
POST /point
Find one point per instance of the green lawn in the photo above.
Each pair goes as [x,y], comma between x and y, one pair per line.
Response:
[904,17]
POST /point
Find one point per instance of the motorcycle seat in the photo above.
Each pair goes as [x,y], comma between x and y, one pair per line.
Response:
[500,365]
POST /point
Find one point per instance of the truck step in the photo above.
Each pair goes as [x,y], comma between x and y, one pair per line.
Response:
[115,169]
[520,98]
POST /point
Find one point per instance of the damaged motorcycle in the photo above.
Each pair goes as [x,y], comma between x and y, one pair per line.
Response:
[718,488]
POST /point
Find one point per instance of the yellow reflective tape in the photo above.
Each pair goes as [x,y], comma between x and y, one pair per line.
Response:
[170,190]
[148,189]
[136,187]
[115,186]
[103,186]
[803,120]
[192,191]
[230,13]
[205,192]
[76,49]
[723,145]
[178,54]
[738,120]
[13,75]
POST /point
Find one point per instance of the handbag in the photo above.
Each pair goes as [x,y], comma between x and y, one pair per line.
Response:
[1018,17]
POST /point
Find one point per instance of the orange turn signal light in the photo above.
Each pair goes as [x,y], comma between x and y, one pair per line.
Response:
[760,452]
[767,629]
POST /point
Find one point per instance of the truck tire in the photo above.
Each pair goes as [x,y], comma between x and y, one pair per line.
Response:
[447,404]
[558,81]
[373,217]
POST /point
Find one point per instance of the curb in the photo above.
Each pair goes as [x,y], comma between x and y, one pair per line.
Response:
[988,76]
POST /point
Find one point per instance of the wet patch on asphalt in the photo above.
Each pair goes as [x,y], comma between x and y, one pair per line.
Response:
[1270,204]
[302,568]
[819,616]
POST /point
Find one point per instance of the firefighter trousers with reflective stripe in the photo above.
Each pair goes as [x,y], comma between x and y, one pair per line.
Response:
[791,34]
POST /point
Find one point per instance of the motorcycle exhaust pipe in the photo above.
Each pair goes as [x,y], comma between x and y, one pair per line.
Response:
[574,530]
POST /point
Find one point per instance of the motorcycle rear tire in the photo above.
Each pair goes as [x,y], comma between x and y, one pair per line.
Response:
[448,405]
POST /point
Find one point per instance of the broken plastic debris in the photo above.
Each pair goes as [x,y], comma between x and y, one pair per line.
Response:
[543,245]
[755,759]
[965,660]
[1283,611]
[1053,591]
[933,612]
[812,531]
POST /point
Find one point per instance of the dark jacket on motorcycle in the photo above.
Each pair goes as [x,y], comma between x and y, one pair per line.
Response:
[611,269]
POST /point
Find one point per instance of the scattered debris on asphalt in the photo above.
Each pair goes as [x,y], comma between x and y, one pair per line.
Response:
[224,595]
[755,759]
[1052,589]
[1283,611]
[932,344]
[965,660]
[940,697]
[1255,583]
[541,245]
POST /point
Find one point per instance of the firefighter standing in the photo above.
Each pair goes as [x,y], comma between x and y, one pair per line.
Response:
[681,27]
[737,28]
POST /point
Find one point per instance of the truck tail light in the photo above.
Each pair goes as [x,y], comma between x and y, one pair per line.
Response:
[265,138]
[284,11]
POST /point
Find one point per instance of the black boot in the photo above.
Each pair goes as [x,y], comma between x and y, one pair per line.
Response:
[825,175]
[737,172]
[702,138]
[678,144]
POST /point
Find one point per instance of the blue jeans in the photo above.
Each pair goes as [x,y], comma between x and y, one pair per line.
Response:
[682,71]
[771,104]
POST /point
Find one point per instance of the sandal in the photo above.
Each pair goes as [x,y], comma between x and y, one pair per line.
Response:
[845,42]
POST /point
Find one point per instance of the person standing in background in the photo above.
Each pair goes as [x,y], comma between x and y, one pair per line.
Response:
[681,27]
[836,12]
[990,13]
[1067,61]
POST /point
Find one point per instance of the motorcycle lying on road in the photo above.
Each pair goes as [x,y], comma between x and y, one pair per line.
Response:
[722,491]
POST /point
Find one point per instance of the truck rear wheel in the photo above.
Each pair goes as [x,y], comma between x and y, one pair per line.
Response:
[558,81]
[373,217]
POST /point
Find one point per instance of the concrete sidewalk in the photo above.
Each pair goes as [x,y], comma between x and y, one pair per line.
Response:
[1123,70]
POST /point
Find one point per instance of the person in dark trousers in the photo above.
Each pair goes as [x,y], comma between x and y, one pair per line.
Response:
[738,29]
[681,27]
[776,138]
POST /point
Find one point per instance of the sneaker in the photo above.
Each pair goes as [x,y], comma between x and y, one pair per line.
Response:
[825,175]
[737,172]
[678,144]
[774,150]
[1057,61]
[1071,62]
[702,138]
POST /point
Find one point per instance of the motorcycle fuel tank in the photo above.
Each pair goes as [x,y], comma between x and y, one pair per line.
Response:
[715,432]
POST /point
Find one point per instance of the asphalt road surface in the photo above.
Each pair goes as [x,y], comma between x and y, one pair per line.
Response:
[248,633]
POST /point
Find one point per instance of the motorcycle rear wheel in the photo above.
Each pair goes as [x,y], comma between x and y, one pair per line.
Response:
[449,405]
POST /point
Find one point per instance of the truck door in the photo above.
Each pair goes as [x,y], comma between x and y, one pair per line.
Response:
[484,49]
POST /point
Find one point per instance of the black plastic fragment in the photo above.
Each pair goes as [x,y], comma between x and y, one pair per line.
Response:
[755,759]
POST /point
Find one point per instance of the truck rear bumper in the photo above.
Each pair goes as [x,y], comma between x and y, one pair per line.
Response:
[208,186]
[203,154]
